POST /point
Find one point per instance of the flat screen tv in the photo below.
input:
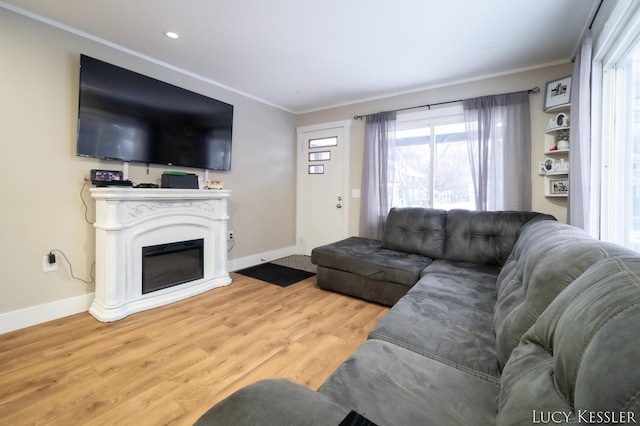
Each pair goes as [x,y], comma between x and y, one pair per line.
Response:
[128,116]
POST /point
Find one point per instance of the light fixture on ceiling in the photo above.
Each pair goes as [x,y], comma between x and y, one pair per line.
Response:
[172,34]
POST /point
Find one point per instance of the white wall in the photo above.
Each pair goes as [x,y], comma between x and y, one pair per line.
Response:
[41,178]
[488,86]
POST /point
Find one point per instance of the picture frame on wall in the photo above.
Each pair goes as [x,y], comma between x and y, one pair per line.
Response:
[559,186]
[557,93]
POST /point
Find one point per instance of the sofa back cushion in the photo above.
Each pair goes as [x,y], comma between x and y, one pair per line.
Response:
[485,237]
[415,230]
[547,257]
[580,358]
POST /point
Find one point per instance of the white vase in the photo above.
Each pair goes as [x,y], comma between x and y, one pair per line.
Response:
[563,144]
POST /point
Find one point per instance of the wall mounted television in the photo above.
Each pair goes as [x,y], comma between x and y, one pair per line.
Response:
[127,116]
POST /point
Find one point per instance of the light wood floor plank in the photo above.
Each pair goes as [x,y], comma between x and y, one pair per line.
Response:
[170,364]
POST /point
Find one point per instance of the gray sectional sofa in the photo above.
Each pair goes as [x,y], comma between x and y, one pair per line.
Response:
[507,318]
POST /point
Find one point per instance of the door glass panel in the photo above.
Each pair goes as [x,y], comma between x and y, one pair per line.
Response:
[320,156]
[323,142]
[316,170]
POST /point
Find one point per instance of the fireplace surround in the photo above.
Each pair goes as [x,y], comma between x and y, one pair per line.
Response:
[133,221]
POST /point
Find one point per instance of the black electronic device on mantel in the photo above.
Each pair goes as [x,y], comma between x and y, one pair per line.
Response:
[108,178]
[128,116]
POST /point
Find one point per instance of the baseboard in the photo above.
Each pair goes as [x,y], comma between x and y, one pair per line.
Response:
[22,318]
[256,259]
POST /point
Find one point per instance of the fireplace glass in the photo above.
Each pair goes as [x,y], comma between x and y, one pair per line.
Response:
[166,265]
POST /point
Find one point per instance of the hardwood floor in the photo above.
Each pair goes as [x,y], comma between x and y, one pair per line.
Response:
[170,364]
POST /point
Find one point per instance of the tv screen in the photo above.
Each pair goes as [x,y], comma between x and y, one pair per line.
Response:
[128,116]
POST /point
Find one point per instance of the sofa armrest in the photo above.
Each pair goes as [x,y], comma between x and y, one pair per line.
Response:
[274,402]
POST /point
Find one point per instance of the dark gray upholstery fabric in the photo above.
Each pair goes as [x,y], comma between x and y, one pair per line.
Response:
[384,292]
[413,237]
[415,230]
[391,385]
[547,257]
[562,316]
[469,285]
[448,316]
[274,403]
[484,237]
[366,257]
[581,355]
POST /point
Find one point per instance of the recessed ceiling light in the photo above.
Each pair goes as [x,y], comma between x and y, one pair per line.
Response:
[171,34]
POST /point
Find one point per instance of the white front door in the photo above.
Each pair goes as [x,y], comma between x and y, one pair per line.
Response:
[323,171]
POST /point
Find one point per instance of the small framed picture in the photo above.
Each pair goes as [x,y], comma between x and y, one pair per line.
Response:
[557,93]
[559,186]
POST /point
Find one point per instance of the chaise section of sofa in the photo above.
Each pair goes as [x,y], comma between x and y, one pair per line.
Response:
[363,268]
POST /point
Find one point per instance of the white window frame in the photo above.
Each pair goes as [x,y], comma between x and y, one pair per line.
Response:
[620,35]
[451,114]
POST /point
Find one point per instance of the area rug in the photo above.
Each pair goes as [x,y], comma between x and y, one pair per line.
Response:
[297,261]
[282,276]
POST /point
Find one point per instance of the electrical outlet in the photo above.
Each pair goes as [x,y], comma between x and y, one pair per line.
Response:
[230,235]
[48,267]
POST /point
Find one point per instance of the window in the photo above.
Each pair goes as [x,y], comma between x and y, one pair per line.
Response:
[432,161]
[620,188]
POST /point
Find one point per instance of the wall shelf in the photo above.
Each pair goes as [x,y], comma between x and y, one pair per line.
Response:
[557,151]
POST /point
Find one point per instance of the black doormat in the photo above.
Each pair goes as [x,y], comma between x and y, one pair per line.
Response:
[276,274]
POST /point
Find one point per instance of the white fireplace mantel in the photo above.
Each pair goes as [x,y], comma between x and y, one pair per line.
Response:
[128,219]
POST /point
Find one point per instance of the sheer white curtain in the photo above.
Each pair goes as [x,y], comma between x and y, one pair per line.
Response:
[499,139]
[578,213]
[377,173]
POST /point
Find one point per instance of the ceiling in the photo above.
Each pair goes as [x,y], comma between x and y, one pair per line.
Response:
[306,55]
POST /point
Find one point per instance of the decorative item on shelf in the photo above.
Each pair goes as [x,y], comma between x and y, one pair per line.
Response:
[562,166]
[550,166]
[214,184]
[557,94]
[559,187]
[547,166]
[562,139]
[560,121]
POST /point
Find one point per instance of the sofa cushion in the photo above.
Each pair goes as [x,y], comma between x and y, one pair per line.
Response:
[469,285]
[547,257]
[415,230]
[367,257]
[485,237]
[274,402]
[580,357]
[390,385]
[448,316]
[382,292]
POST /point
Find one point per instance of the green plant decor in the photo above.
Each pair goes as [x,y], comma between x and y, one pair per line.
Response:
[562,135]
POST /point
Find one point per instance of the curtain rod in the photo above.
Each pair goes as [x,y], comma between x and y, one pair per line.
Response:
[360,117]
[595,15]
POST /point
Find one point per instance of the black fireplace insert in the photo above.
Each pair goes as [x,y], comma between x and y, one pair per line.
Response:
[167,265]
